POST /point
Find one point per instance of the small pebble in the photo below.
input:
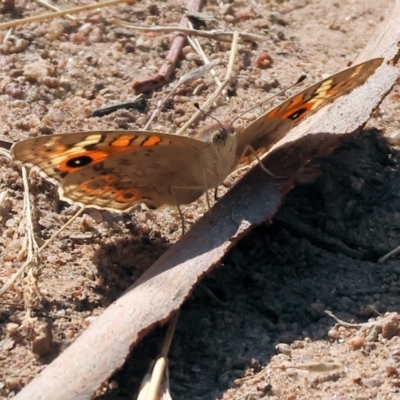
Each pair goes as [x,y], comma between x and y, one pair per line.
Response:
[391,327]
[13,383]
[12,328]
[56,29]
[51,82]
[245,14]
[283,348]
[14,90]
[356,341]
[263,60]
[143,45]
[277,18]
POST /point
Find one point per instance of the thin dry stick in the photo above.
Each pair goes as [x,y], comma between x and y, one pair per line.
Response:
[388,255]
[27,263]
[196,46]
[219,35]
[211,99]
[52,7]
[195,43]
[364,324]
[3,196]
[161,364]
[4,150]
[75,10]
[32,246]
[192,75]
[27,211]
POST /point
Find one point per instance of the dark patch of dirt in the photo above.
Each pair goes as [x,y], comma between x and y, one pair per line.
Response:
[268,299]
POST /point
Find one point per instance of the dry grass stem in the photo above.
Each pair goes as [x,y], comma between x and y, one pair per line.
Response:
[53,7]
[28,262]
[155,384]
[219,35]
[219,89]
[192,75]
[388,255]
[74,10]
[3,196]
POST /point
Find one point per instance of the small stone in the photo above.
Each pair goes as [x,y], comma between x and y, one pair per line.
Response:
[51,82]
[192,57]
[96,36]
[230,18]
[43,340]
[14,90]
[56,29]
[37,70]
[129,47]
[245,14]
[277,18]
[143,45]
[255,364]
[356,341]
[13,383]
[263,60]
[12,328]
[283,348]
[391,327]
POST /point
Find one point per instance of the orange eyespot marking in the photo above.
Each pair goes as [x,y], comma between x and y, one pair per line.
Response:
[298,112]
[76,161]
[127,195]
[95,187]
[297,101]
[122,141]
[151,141]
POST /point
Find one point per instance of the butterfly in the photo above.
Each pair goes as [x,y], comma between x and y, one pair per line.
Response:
[116,170]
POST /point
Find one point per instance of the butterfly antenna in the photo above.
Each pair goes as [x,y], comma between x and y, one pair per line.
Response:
[301,79]
[209,115]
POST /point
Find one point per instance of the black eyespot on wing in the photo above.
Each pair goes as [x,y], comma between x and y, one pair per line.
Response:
[78,162]
[297,113]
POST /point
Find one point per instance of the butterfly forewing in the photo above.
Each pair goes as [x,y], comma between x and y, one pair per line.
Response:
[268,129]
[117,169]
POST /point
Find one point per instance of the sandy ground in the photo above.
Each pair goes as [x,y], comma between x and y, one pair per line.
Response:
[320,253]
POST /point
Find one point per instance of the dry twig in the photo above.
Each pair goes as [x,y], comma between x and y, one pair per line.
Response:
[52,7]
[211,99]
[74,10]
[192,75]
[220,35]
[161,78]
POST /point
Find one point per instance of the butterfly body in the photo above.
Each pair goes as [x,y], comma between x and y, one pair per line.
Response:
[117,169]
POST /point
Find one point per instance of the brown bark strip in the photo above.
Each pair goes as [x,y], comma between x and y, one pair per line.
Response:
[158,80]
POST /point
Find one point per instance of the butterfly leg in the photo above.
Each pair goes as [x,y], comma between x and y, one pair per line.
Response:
[254,153]
[216,197]
[176,189]
[182,218]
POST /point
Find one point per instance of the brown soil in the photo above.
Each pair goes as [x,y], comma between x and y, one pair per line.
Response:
[267,314]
